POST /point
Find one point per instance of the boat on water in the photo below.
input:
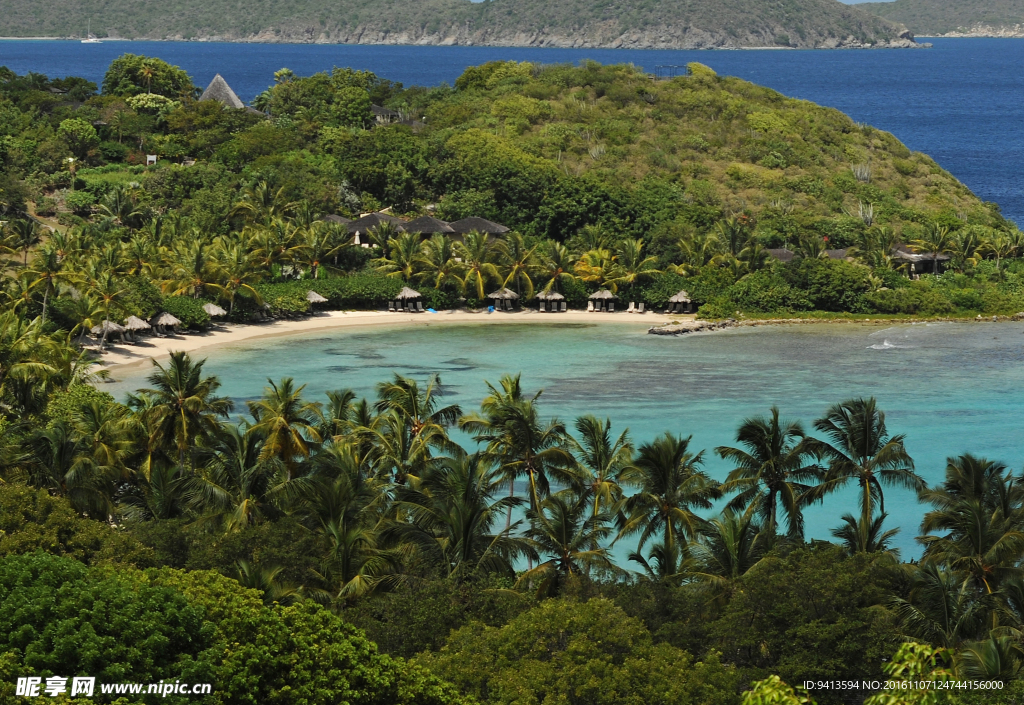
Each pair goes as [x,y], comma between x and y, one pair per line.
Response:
[90,38]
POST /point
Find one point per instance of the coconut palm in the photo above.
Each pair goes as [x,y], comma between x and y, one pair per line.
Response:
[403,258]
[517,262]
[1000,246]
[859,449]
[260,203]
[46,273]
[266,580]
[696,249]
[601,461]
[554,267]
[234,268]
[729,546]
[670,485]
[109,292]
[875,246]
[936,240]
[120,207]
[477,258]
[597,267]
[419,408]
[190,268]
[183,406]
[159,496]
[632,267]
[438,265]
[286,422]
[979,508]
[24,234]
[563,529]
[55,458]
[855,537]
[320,243]
[942,607]
[772,469]
[998,658]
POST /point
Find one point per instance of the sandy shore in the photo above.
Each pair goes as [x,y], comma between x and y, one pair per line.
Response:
[153,348]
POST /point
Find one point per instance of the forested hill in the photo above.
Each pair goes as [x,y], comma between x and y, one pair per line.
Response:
[986,18]
[665,24]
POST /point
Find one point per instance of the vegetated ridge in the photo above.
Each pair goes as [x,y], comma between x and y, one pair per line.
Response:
[652,24]
[969,18]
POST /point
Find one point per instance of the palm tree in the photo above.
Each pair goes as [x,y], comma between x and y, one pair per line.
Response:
[563,528]
[597,267]
[450,517]
[981,510]
[234,268]
[404,257]
[554,267]
[184,406]
[858,538]
[439,266]
[320,243]
[419,408]
[108,292]
[942,607]
[477,256]
[261,204]
[120,207]
[265,580]
[773,469]
[287,423]
[999,246]
[858,448]
[875,247]
[518,263]
[47,272]
[53,459]
[728,547]
[670,485]
[190,269]
[601,461]
[25,234]
[632,267]
[936,240]
[696,250]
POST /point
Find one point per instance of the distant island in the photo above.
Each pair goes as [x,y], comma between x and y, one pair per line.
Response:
[656,24]
[970,18]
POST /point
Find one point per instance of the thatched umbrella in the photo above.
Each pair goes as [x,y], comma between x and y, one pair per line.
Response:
[162,320]
[602,298]
[503,298]
[553,296]
[107,327]
[214,310]
[679,302]
[315,298]
[404,300]
[425,225]
[407,293]
[134,323]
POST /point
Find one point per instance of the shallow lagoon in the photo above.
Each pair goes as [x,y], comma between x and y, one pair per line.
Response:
[950,387]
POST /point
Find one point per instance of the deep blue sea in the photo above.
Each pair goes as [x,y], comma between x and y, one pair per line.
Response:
[962,101]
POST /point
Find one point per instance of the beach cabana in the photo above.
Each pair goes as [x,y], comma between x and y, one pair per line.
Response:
[133,324]
[504,299]
[407,300]
[602,300]
[425,225]
[679,303]
[461,228]
[162,320]
[108,328]
[550,301]
[361,226]
[214,310]
[315,298]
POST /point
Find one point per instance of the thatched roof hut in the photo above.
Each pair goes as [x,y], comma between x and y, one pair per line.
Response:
[337,219]
[681,298]
[315,298]
[134,323]
[425,225]
[503,295]
[550,296]
[108,327]
[220,91]
[372,220]
[481,225]
[407,293]
[165,319]
[781,253]
[214,310]
[602,294]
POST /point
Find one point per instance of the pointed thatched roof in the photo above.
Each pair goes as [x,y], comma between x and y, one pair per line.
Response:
[503,294]
[110,327]
[135,323]
[681,298]
[550,296]
[315,298]
[425,225]
[164,319]
[220,91]
[214,310]
[603,294]
[407,293]
[481,225]
[368,222]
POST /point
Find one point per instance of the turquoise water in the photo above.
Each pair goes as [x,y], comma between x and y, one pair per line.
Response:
[950,387]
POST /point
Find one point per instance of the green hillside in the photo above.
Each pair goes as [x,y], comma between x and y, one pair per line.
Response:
[604,23]
[934,17]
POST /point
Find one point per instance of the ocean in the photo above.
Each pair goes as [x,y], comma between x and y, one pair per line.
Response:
[950,387]
[962,101]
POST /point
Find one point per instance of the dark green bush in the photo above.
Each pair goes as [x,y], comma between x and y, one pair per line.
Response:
[187,310]
[141,298]
[767,291]
[917,298]
[830,285]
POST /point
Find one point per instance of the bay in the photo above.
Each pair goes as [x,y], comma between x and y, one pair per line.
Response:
[950,387]
[962,101]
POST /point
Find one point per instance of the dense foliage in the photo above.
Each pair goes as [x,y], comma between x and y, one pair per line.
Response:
[929,17]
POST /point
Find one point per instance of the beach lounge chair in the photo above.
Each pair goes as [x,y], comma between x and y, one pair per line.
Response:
[632,307]
[611,307]
[540,307]
[391,305]
[640,307]
[590,306]
[562,306]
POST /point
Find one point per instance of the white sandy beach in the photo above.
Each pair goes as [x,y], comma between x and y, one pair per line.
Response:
[153,348]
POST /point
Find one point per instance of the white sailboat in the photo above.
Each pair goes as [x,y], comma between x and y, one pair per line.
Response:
[89,38]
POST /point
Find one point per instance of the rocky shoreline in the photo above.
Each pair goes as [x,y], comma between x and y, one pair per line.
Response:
[695,326]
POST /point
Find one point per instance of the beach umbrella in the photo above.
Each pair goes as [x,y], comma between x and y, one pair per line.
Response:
[315,298]
[481,225]
[214,310]
[550,296]
[134,323]
[506,294]
[109,327]
[165,319]
[407,293]
[602,294]
[425,225]
[681,298]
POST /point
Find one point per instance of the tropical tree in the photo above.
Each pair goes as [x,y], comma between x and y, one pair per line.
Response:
[942,607]
[855,537]
[936,240]
[477,259]
[234,268]
[403,259]
[601,461]
[771,469]
[728,546]
[439,266]
[286,422]
[24,234]
[260,203]
[554,267]
[518,263]
[632,267]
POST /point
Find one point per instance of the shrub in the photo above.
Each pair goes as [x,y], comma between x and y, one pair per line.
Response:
[910,300]
[65,403]
[80,202]
[660,289]
[187,310]
[830,285]
[767,291]
[141,298]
